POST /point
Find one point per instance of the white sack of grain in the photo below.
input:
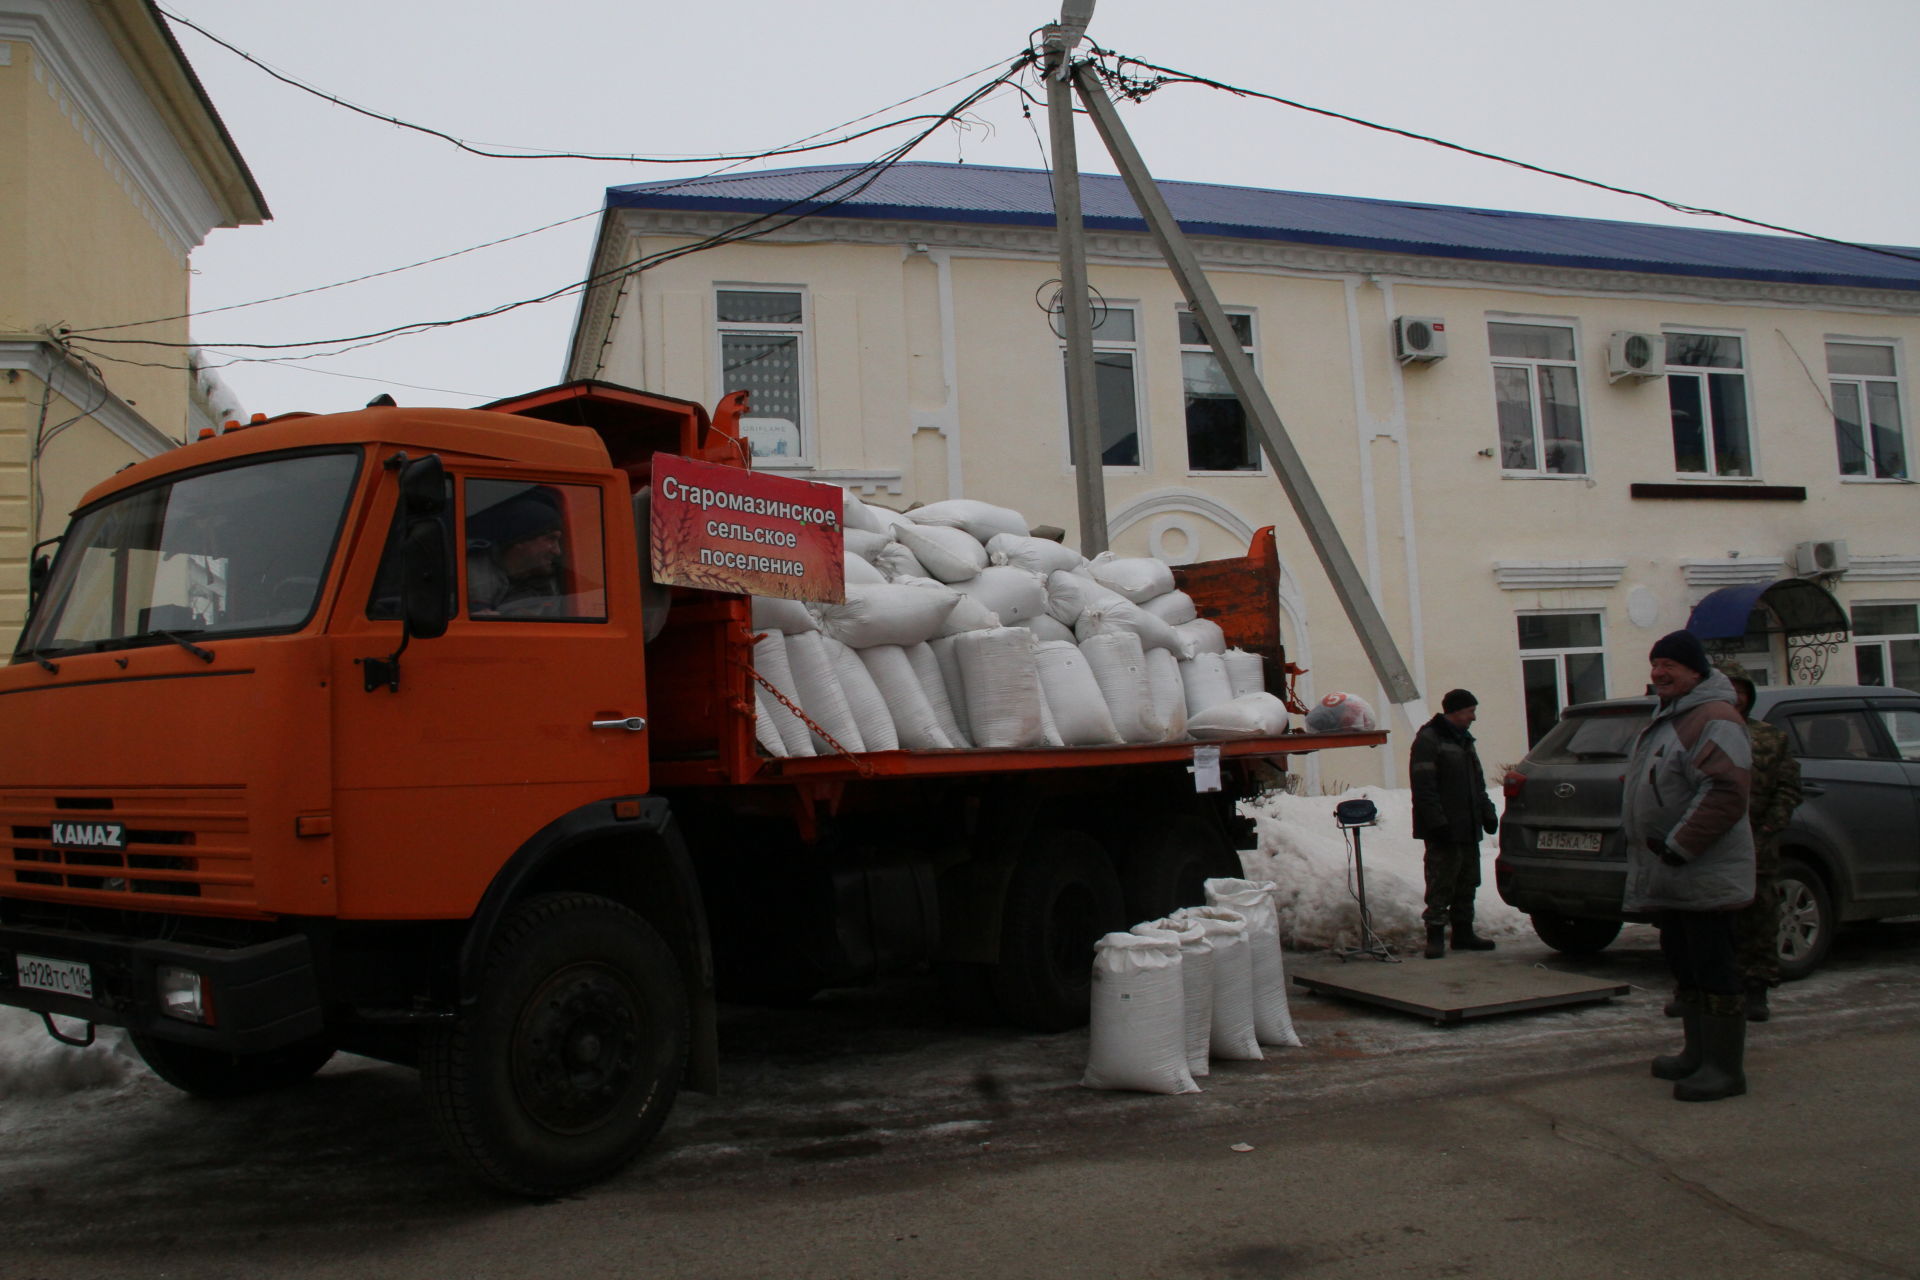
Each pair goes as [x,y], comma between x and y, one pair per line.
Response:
[1073,695]
[1203,635]
[864,699]
[1251,715]
[1049,731]
[1119,666]
[951,555]
[1205,678]
[1046,630]
[1124,615]
[1138,578]
[1137,1023]
[1196,985]
[948,658]
[1232,1037]
[867,545]
[860,573]
[821,696]
[1011,595]
[897,562]
[1246,672]
[855,514]
[926,669]
[1038,555]
[777,613]
[1176,608]
[1169,694]
[1272,1020]
[1069,594]
[981,520]
[1002,686]
[887,613]
[915,722]
[770,660]
[764,731]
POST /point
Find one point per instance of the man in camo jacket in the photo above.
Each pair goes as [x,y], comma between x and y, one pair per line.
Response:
[1774,796]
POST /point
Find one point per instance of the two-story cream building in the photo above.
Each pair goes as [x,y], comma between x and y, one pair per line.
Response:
[113,167]
[1545,439]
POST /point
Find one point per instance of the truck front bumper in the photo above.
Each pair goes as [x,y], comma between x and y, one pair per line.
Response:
[258,997]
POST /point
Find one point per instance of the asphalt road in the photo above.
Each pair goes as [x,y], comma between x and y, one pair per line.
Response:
[868,1135]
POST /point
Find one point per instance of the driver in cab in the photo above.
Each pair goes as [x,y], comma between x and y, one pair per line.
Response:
[515,553]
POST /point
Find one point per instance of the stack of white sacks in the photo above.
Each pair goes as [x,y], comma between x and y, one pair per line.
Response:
[1204,983]
[960,630]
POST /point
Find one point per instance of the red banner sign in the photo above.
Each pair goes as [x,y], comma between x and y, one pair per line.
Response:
[729,529]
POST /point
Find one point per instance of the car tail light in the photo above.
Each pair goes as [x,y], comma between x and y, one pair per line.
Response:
[1511,784]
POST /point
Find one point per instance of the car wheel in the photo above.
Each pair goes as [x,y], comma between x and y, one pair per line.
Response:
[1806,920]
[1575,935]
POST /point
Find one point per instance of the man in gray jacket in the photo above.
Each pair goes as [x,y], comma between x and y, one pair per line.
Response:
[1690,859]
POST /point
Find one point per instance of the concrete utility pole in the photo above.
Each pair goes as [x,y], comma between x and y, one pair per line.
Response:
[1083,405]
[1322,533]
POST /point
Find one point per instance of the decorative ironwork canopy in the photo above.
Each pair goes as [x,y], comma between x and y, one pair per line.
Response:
[1811,623]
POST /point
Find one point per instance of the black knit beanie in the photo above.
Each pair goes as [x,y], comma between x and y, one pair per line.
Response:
[1457,700]
[1684,648]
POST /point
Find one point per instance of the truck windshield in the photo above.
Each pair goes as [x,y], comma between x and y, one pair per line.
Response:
[241,549]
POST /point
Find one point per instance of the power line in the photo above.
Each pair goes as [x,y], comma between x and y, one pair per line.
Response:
[1138,88]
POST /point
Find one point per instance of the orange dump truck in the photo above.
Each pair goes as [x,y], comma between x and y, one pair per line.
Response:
[276,781]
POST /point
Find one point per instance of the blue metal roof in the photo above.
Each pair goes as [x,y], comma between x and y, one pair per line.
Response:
[931,192]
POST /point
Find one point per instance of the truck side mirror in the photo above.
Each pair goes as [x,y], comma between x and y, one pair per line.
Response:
[37,574]
[425,555]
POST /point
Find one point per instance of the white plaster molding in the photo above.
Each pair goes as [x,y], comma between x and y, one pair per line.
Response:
[83,71]
[864,484]
[1178,501]
[1730,572]
[1884,569]
[1556,575]
[1121,248]
[83,390]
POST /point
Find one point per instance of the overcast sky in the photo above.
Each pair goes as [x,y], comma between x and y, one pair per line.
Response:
[1790,113]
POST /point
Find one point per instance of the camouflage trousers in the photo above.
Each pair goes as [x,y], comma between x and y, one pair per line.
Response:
[1756,930]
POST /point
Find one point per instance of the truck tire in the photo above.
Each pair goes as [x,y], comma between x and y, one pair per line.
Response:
[569,1060]
[1168,861]
[1063,896]
[1575,935]
[209,1073]
[1806,919]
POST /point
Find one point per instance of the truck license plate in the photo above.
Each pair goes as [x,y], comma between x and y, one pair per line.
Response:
[62,977]
[1570,841]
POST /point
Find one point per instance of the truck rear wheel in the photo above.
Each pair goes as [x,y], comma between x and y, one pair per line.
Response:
[569,1061]
[1064,895]
[1169,861]
[209,1073]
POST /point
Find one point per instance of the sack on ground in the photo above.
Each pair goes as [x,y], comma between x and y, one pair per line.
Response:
[1196,985]
[1272,1020]
[1137,1033]
[1079,708]
[1138,578]
[1232,1037]
[1002,686]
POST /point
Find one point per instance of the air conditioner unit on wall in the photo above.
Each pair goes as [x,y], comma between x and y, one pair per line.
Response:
[1419,338]
[1636,355]
[1811,559]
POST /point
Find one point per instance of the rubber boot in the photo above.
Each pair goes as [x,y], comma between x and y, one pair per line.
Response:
[1678,1066]
[1465,939]
[1673,1007]
[1723,1039]
[1436,942]
[1757,1010]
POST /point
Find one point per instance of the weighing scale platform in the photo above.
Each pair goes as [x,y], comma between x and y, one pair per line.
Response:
[1461,986]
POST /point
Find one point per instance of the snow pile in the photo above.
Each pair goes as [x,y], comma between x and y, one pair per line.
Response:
[35,1065]
[1309,859]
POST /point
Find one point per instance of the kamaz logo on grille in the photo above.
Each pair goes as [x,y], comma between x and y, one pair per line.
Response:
[89,835]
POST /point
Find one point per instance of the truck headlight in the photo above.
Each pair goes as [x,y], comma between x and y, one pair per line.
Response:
[184,995]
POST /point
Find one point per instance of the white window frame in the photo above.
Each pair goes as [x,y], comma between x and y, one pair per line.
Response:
[1700,374]
[1881,642]
[803,360]
[1135,348]
[1861,381]
[1559,658]
[1252,351]
[1537,405]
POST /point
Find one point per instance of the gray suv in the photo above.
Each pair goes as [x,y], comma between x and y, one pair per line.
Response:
[1852,851]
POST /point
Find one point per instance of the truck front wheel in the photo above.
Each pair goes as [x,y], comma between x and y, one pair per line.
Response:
[1063,897]
[209,1073]
[567,1063]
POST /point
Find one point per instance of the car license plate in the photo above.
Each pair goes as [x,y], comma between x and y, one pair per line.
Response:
[62,977]
[1570,841]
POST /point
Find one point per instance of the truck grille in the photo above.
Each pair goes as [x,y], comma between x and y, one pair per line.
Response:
[186,843]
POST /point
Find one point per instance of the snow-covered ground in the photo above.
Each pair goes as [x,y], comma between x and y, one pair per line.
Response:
[1301,851]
